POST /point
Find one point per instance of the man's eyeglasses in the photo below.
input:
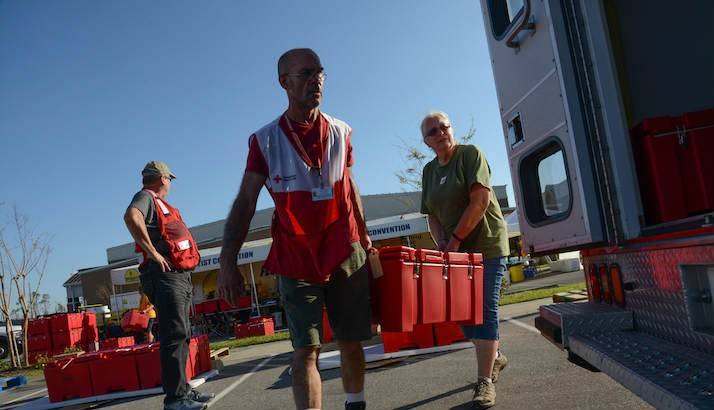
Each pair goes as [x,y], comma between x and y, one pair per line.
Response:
[435,130]
[307,74]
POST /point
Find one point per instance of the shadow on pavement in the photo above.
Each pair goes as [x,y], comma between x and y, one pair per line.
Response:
[439,397]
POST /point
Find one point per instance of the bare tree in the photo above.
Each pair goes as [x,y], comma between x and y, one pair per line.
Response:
[416,158]
[24,258]
[60,308]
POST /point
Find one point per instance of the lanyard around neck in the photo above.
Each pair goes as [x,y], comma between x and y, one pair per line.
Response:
[301,148]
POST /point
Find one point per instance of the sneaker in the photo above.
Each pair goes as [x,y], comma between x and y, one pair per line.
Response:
[498,365]
[356,405]
[196,395]
[185,404]
[484,393]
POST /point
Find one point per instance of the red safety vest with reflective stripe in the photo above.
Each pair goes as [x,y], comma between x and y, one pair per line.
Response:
[311,238]
[183,251]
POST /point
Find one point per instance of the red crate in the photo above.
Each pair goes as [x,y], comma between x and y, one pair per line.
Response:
[69,378]
[327,335]
[476,286]
[421,337]
[396,290]
[64,339]
[241,330]
[204,354]
[697,158]
[243,302]
[39,342]
[117,342]
[90,331]
[448,333]
[148,362]
[65,321]
[431,287]
[37,327]
[263,326]
[114,371]
[458,286]
[191,360]
[134,321]
[655,147]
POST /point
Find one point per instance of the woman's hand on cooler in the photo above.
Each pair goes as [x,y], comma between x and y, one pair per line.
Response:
[453,245]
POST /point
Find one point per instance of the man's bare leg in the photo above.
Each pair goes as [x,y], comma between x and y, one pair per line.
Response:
[486,352]
[352,362]
[307,386]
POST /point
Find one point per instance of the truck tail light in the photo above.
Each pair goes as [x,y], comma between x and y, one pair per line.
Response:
[618,293]
[605,285]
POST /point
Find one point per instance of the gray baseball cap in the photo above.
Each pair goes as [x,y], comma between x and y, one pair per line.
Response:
[157,168]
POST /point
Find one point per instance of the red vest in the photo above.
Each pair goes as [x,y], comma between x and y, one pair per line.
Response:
[311,238]
[183,251]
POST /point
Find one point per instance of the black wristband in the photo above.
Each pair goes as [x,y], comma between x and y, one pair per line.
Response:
[456,237]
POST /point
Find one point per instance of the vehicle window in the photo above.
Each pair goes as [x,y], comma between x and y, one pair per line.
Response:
[554,191]
[503,13]
[545,182]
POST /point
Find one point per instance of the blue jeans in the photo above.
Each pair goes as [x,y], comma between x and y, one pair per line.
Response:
[493,271]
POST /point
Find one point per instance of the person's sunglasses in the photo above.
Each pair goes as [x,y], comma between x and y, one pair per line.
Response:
[435,130]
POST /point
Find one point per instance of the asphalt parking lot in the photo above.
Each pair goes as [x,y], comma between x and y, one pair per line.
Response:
[538,377]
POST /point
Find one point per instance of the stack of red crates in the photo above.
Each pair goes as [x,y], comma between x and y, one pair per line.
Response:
[66,331]
[39,339]
[122,369]
[51,335]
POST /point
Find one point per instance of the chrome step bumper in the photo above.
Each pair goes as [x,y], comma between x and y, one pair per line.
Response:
[667,375]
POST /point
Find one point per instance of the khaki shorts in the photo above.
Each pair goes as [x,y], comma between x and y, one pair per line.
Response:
[347,302]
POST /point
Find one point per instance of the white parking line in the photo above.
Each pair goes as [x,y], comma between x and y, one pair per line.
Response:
[521,324]
[21,398]
[240,380]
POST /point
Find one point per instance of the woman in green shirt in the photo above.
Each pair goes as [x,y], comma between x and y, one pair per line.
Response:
[464,216]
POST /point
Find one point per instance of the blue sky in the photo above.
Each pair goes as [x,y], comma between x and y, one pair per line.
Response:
[93,90]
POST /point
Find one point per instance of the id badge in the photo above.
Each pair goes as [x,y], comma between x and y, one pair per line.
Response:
[321,194]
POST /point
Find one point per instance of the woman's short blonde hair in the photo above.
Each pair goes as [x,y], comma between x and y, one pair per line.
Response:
[433,114]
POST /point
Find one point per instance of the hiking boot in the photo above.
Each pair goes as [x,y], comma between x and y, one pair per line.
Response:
[484,393]
[185,404]
[498,365]
[356,405]
[196,395]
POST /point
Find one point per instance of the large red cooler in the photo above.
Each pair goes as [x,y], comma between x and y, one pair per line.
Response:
[133,321]
[327,335]
[431,286]
[656,150]
[148,363]
[697,158]
[204,354]
[448,333]
[396,289]
[262,326]
[114,371]
[459,293]
[90,331]
[69,378]
[421,337]
[476,287]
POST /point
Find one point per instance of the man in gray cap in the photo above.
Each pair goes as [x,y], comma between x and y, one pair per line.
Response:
[168,290]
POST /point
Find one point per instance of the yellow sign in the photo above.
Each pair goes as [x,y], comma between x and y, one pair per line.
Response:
[131,276]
